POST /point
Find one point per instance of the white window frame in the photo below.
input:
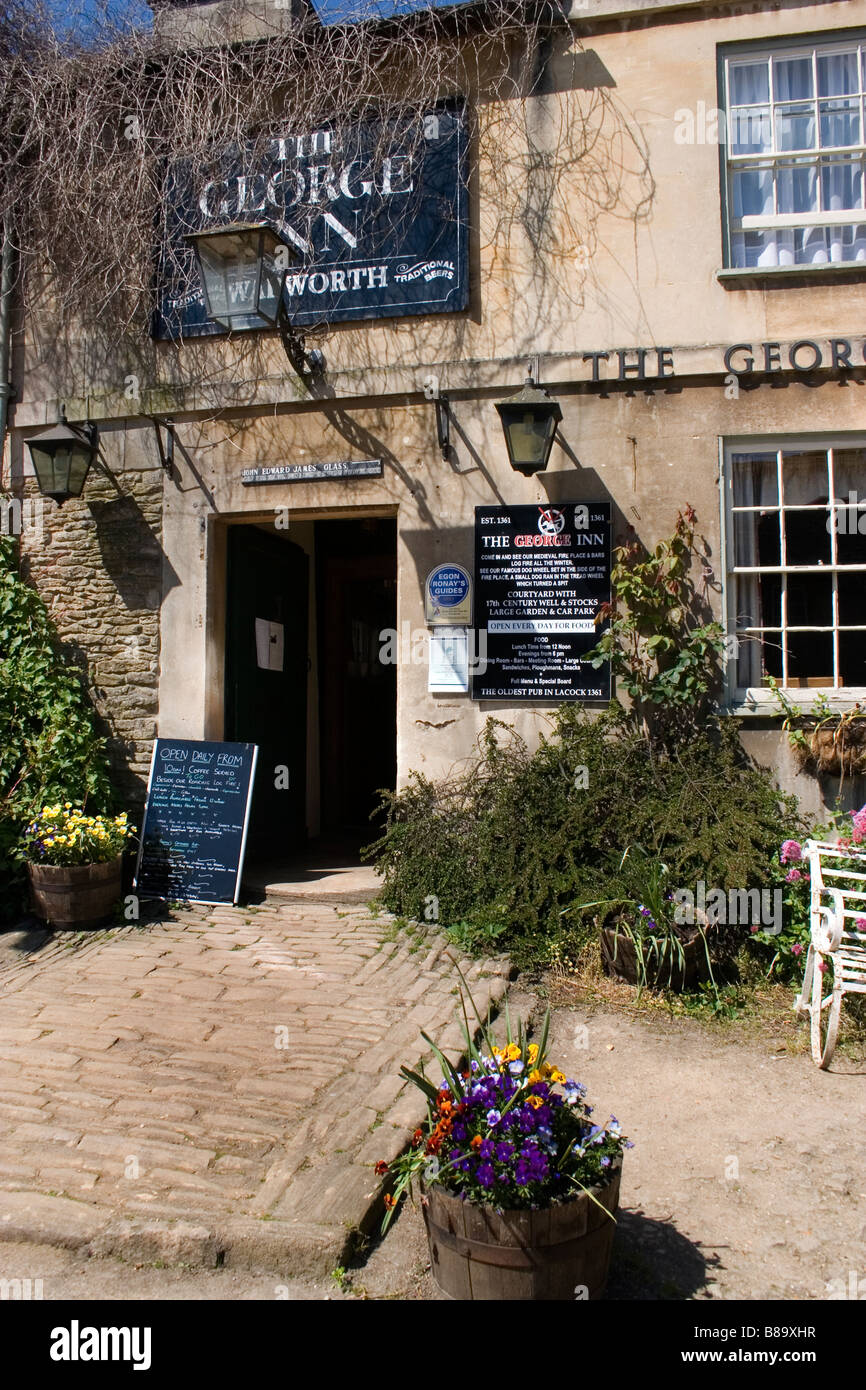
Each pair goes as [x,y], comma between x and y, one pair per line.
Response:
[790,48]
[759,700]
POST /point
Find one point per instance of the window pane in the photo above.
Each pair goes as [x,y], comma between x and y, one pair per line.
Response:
[849,473]
[771,657]
[797,188]
[810,657]
[852,610]
[755,248]
[810,601]
[808,538]
[851,550]
[841,186]
[840,122]
[810,246]
[753,192]
[755,482]
[751,130]
[749,82]
[805,480]
[792,79]
[795,128]
[849,486]
[852,658]
[837,74]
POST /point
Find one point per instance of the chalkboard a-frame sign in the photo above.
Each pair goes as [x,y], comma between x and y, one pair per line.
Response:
[196,818]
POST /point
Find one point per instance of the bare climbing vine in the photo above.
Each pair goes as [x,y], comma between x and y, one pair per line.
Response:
[89,131]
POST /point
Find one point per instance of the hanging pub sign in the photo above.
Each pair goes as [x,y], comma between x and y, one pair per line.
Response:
[542,572]
[196,816]
[374,218]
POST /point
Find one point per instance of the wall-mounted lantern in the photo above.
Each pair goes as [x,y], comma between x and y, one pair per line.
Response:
[243,269]
[62,457]
[529,422]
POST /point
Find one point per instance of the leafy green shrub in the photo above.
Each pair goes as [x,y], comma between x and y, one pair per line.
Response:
[500,850]
[506,851]
[49,747]
[662,642]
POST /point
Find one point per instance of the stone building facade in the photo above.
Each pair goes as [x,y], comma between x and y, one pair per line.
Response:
[691,304]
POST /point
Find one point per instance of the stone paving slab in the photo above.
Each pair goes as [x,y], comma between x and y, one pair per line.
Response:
[215,1087]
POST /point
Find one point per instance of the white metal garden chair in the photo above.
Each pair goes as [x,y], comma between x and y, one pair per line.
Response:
[836,962]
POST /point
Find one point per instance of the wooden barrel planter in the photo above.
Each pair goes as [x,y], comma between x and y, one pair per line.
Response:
[561,1253]
[619,959]
[75,897]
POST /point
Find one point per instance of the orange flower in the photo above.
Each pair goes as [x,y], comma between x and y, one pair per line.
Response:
[534,1101]
[445,1107]
[381,1168]
[476,1142]
[389,1201]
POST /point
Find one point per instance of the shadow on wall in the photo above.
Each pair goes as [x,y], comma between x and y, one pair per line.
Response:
[131,554]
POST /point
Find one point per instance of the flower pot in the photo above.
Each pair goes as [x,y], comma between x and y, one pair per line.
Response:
[560,1253]
[72,897]
[619,958]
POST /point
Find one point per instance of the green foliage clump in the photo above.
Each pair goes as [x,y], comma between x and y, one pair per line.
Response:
[517,848]
[50,750]
[661,642]
[505,848]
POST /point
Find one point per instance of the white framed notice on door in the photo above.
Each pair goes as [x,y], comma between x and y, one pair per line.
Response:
[270,645]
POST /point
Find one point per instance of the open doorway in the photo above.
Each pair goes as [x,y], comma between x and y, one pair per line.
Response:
[356,591]
[304,680]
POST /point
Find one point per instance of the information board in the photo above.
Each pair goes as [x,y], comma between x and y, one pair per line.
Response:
[195,820]
[542,572]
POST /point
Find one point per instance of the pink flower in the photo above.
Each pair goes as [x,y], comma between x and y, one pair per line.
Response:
[860,924]
[793,876]
[858,823]
[796,949]
[754,927]
[791,849]
[823,966]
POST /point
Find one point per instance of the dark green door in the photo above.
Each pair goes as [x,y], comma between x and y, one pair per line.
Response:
[266,694]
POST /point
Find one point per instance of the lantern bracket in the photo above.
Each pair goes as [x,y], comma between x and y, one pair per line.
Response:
[166,452]
[306,364]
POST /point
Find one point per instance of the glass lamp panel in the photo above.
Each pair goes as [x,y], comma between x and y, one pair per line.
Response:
[230,269]
[272,273]
[527,438]
[79,464]
[52,469]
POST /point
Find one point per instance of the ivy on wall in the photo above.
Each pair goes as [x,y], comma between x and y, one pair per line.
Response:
[50,750]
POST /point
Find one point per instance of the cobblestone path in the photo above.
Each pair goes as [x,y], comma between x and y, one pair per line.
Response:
[216,1087]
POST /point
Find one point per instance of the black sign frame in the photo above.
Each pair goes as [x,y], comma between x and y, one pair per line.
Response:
[244,756]
[419,234]
[540,604]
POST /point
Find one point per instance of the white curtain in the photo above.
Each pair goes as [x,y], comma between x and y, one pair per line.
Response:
[755,485]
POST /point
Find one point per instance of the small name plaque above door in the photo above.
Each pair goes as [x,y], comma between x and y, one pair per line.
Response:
[313,472]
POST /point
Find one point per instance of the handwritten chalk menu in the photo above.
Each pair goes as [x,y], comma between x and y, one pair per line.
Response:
[542,572]
[195,820]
